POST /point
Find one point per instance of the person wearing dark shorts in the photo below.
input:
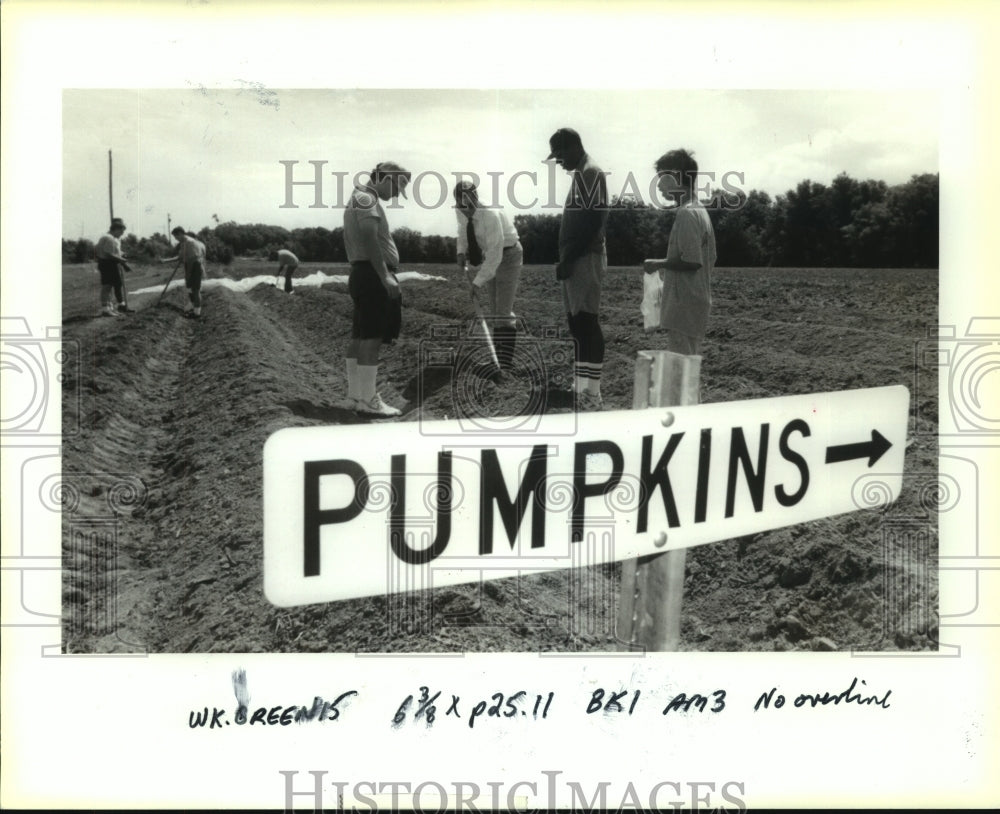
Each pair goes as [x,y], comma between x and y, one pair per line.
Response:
[191,251]
[110,264]
[376,315]
[373,286]
[583,260]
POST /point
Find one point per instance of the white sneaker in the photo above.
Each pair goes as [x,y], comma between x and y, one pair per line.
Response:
[108,311]
[376,407]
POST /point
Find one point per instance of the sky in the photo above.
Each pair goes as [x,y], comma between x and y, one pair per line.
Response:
[198,154]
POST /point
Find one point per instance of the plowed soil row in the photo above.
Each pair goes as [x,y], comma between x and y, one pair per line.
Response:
[184,408]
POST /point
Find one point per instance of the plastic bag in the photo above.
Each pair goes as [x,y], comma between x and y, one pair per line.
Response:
[652,294]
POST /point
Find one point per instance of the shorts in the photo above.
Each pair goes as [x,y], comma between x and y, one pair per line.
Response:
[193,275]
[375,315]
[582,289]
[110,273]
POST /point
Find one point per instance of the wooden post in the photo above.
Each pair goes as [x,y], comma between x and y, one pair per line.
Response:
[652,587]
[111,200]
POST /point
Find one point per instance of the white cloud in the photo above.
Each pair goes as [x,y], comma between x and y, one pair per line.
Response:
[198,152]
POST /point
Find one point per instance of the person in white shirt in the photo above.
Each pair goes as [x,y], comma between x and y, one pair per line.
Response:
[192,252]
[691,256]
[287,263]
[488,243]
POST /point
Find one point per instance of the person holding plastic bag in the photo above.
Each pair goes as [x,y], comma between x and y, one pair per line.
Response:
[687,269]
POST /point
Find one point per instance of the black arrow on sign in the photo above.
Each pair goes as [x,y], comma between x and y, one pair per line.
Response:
[872,450]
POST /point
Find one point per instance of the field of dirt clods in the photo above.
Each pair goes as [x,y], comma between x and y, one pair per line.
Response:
[178,410]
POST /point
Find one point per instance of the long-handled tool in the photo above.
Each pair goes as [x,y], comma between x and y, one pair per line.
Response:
[169,281]
[121,277]
[482,319]
[111,211]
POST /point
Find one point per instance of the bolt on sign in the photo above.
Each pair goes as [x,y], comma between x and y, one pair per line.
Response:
[352,511]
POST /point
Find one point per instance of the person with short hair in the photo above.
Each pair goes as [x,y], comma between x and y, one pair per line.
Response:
[372,283]
[110,264]
[691,255]
[287,263]
[583,261]
[489,243]
[191,251]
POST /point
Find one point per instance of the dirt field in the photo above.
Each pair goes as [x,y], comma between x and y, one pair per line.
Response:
[165,419]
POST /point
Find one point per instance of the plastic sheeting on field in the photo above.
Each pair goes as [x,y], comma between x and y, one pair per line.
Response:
[317,278]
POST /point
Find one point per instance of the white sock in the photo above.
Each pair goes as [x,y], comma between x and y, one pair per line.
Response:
[352,378]
[594,382]
[366,381]
[197,311]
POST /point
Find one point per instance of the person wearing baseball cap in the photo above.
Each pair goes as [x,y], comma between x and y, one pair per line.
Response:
[372,283]
[488,242]
[583,261]
[110,263]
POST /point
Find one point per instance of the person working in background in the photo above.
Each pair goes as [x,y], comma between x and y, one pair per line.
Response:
[191,252]
[110,265]
[287,263]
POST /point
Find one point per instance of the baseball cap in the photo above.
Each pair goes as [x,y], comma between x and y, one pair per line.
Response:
[392,168]
[561,139]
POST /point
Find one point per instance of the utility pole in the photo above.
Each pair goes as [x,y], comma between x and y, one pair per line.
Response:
[111,200]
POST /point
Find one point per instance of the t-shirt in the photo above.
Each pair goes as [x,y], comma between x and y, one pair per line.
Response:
[364,204]
[192,251]
[687,295]
[107,246]
[286,258]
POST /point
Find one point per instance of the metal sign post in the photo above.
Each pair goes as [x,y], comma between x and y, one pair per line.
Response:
[652,587]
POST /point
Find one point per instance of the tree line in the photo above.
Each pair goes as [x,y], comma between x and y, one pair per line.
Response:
[849,223]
